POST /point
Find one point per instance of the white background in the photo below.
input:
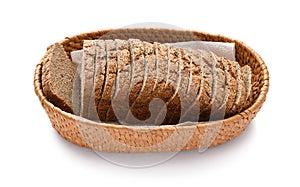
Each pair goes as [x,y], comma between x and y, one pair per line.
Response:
[33,154]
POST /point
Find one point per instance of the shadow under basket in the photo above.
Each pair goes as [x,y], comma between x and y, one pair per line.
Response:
[109,137]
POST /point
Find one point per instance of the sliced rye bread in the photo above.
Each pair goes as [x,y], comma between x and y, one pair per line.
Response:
[57,70]
[87,77]
[110,76]
[120,101]
[58,73]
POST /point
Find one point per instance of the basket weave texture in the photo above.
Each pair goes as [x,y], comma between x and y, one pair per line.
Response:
[119,138]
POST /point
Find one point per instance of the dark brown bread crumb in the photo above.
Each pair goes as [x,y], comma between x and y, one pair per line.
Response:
[57,77]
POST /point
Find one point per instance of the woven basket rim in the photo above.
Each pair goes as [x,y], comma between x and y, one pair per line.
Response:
[253,107]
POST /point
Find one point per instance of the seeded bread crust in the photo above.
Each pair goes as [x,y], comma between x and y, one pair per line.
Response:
[57,77]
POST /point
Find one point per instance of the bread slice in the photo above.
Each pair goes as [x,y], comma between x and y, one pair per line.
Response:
[219,90]
[223,66]
[242,100]
[110,76]
[57,77]
[231,84]
[99,78]
[163,90]
[171,86]
[207,86]
[87,77]
[173,102]
[246,74]
[196,87]
[240,89]
[110,115]
[185,77]
[120,101]
[138,80]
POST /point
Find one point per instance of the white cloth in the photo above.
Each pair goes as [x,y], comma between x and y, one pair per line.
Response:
[221,49]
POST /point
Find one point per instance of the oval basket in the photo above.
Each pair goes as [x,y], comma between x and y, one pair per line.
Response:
[170,138]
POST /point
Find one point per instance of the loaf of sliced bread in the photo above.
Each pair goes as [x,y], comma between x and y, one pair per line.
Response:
[121,79]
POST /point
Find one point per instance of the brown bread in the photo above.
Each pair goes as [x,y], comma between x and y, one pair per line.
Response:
[58,73]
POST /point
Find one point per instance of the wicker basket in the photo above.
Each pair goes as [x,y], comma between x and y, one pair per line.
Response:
[119,138]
